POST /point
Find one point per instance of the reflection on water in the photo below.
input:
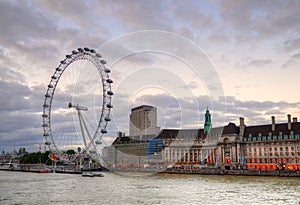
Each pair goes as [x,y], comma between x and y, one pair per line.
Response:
[36,188]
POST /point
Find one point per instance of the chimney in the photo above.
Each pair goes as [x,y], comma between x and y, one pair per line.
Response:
[242,121]
[294,120]
[120,134]
[289,122]
[273,123]
[242,126]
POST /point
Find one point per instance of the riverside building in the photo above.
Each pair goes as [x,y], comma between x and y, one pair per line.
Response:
[143,121]
[261,147]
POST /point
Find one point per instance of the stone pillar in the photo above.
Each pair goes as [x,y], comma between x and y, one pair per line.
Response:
[223,154]
[238,159]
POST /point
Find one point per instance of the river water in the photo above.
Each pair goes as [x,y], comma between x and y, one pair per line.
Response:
[50,188]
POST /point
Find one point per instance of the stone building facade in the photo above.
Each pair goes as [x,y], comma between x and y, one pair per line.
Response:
[261,147]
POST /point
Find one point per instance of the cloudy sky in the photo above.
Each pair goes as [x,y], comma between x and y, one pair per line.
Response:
[253,49]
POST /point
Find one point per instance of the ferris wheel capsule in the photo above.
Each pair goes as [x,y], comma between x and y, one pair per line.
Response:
[98,142]
[107,119]
[109,105]
[109,80]
[110,92]
[86,49]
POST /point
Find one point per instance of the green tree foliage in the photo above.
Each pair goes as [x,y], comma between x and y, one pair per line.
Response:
[70,152]
[35,158]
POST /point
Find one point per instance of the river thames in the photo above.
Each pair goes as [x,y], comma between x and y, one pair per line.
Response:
[50,188]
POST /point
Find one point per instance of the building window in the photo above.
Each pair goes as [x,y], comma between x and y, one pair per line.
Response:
[281,149]
[286,148]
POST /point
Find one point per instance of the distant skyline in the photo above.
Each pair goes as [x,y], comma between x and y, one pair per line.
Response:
[254,47]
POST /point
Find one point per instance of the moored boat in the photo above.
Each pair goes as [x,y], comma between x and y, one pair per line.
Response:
[92,174]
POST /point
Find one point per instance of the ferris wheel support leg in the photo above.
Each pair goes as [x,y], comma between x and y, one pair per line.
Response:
[81,127]
[88,134]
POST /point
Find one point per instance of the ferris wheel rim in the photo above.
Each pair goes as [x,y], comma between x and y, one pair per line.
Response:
[96,60]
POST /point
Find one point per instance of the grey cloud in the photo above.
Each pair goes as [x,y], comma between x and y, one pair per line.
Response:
[190,15]
[14,96]
[22,22]
[249,62]
[136,15]
[66,9]
[292,62]
[261,19]
[184,31]
[8,75]
[218,38]
[292,44]
[260,63]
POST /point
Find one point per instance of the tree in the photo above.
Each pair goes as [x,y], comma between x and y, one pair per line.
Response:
[70,152]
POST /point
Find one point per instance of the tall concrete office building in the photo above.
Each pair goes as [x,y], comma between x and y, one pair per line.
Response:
[143,121]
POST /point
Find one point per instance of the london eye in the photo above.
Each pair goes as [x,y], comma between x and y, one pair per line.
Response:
[77,106]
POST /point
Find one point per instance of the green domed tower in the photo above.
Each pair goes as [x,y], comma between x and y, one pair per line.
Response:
[207,123]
